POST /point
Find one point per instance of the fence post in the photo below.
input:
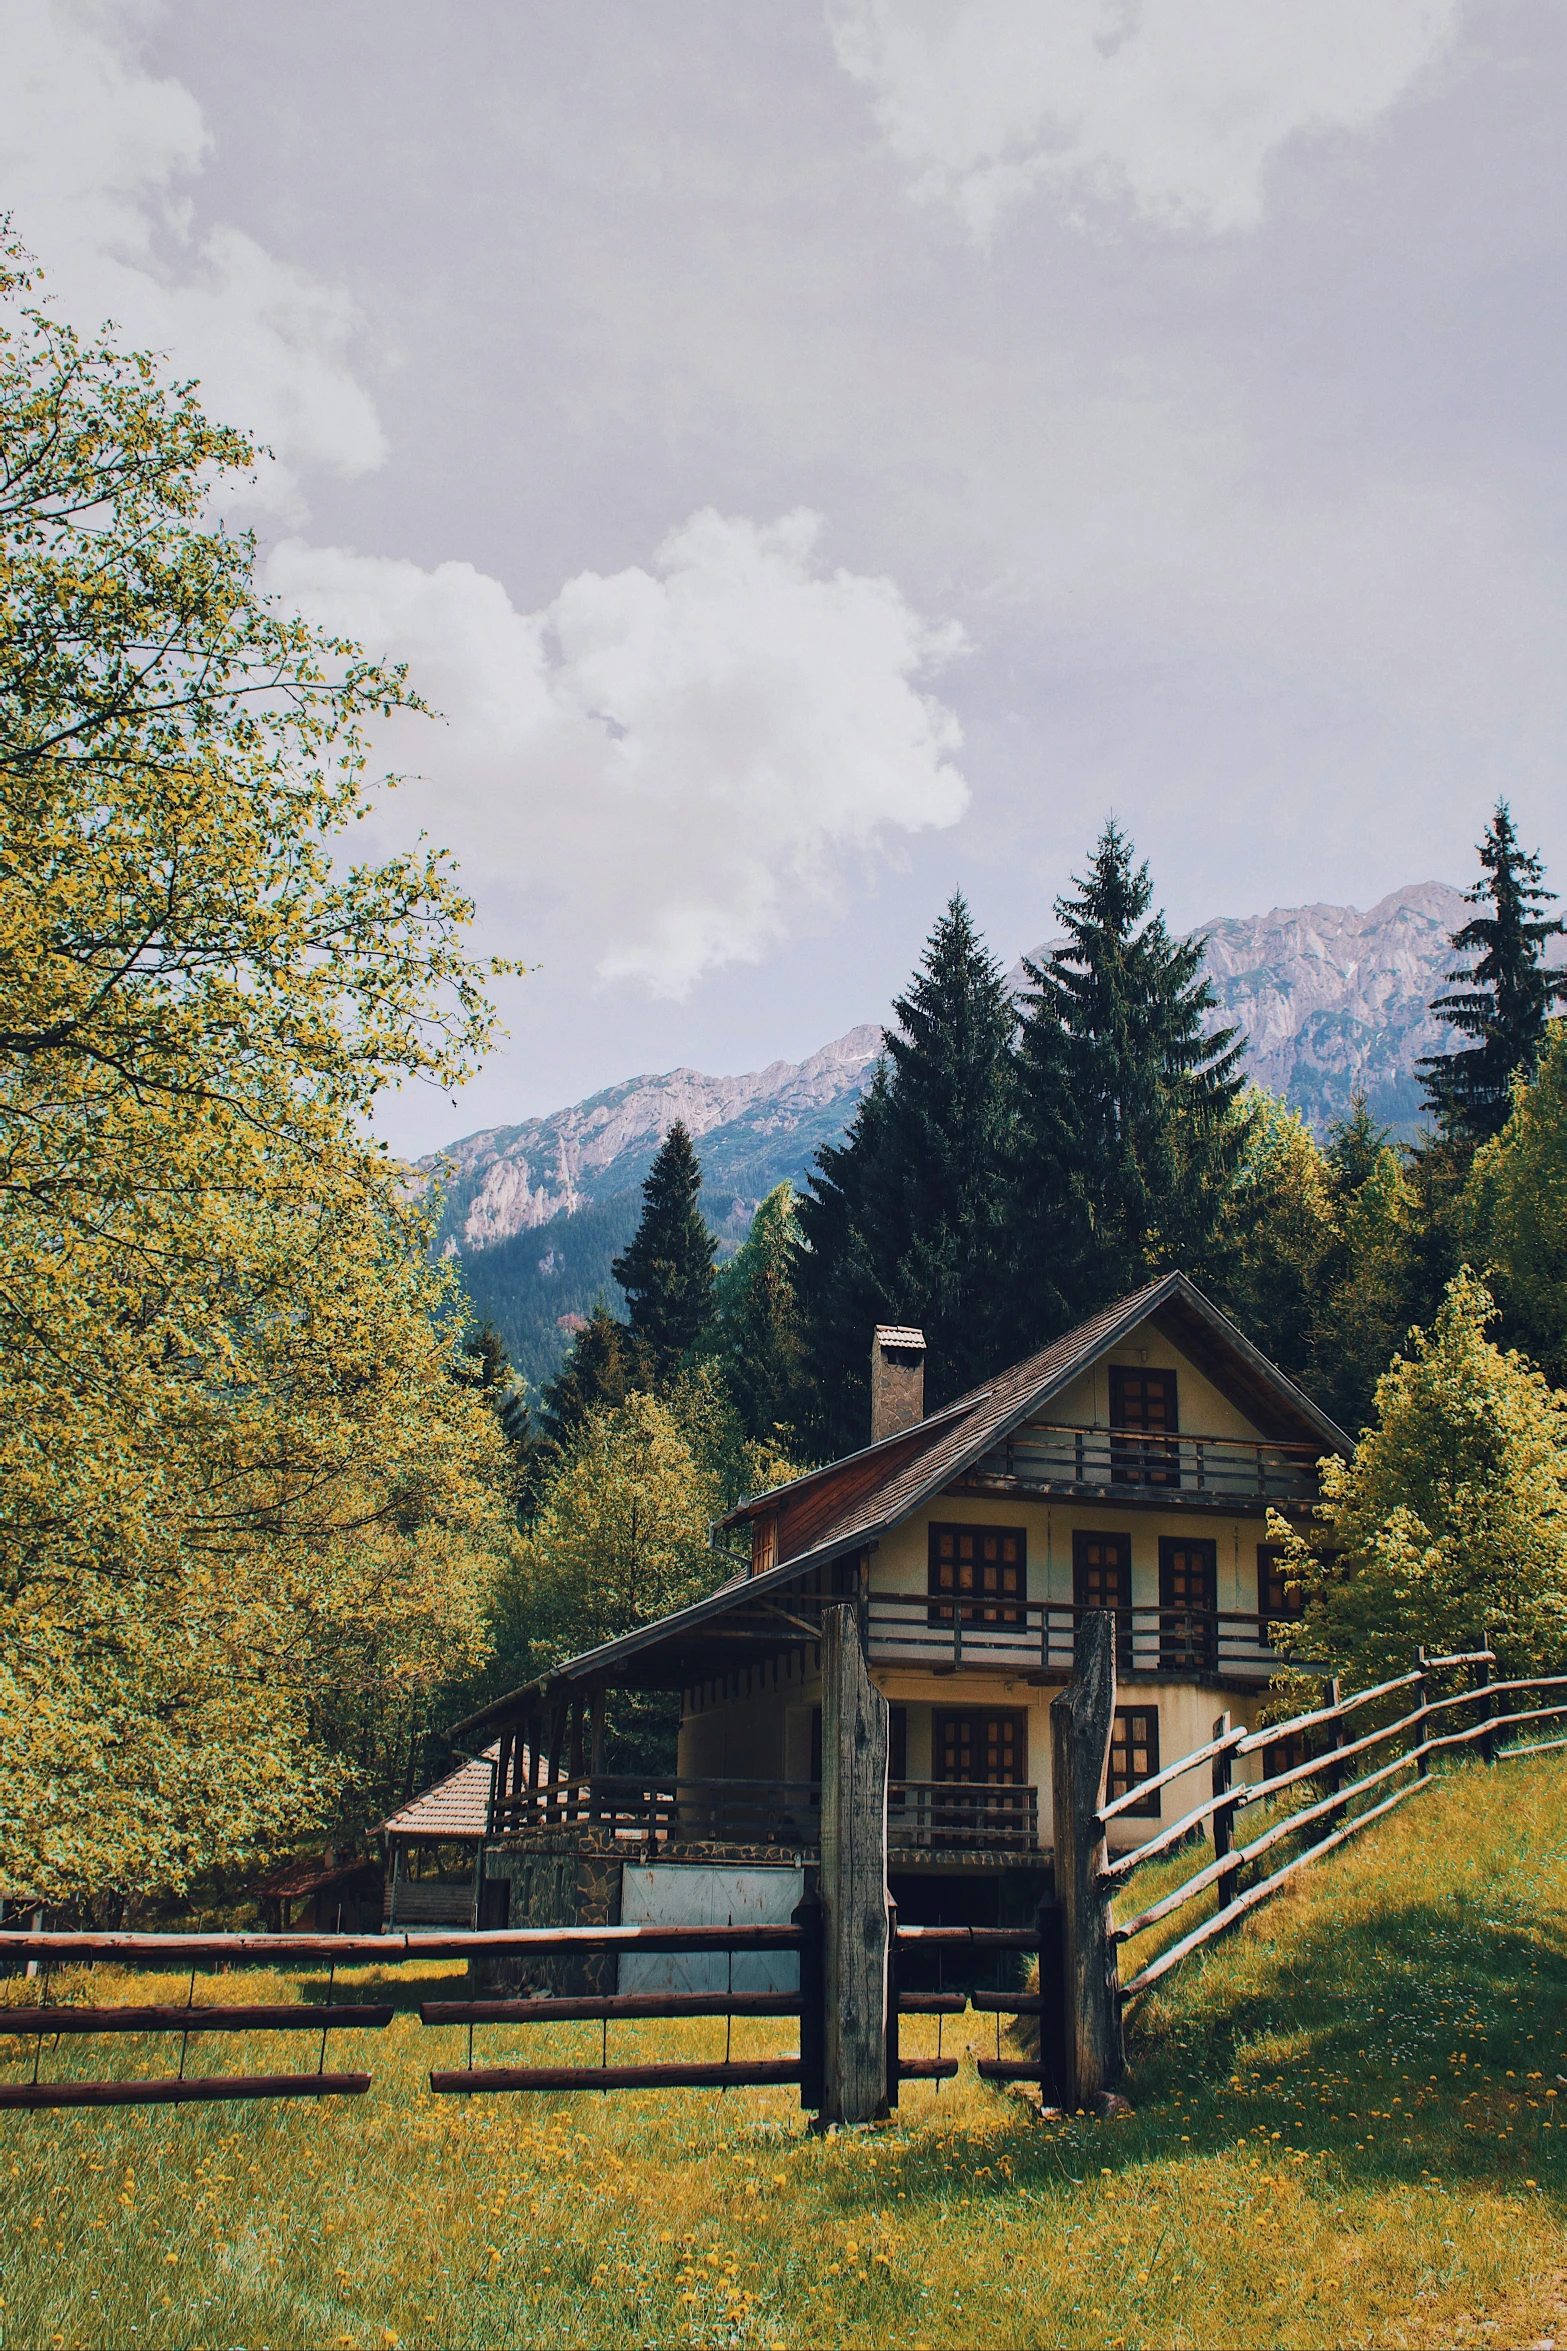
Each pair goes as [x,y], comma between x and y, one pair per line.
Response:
[1052,2004]
[1081,1721]
[855,1718]
[1421,1714]
[807,1916]
[1224,1816]
[1334,1775]
[1488,1715]
[892,2004]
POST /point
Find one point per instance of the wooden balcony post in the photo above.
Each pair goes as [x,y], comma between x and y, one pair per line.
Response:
[855,1727]
[1081,1720]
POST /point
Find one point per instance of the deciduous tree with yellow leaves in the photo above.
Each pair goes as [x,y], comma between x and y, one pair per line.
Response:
[248,1517]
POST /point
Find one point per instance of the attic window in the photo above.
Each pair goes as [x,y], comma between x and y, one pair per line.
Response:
[764,1543]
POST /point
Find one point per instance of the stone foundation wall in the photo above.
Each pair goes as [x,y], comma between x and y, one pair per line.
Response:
[560,1878]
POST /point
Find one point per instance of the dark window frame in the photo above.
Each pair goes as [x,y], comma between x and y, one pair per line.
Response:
[1016,1715]
[1290,1608]
[1082,1537]
[1284,1754]
[1188,1633]
[999,1611]
[1120,1783]
[1142,1451]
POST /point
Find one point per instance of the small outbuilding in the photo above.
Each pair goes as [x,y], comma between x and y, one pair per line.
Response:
[434,1844]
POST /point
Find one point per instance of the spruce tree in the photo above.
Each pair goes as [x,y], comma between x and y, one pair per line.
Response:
[903,1222]
[756,1327]
[666,1270]
[1355,1143]
[1128,1138]
[1502,999]
[605,1365]
[485,1364]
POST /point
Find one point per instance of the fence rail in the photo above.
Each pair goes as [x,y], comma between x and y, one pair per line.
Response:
[802,1935]
[1343,1811]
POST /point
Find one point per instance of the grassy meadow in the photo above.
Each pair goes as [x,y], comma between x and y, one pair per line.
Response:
[1345,2131]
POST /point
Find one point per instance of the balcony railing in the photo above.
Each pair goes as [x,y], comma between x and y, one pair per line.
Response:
[1038,1636]
[1220,1469]
[936,1815]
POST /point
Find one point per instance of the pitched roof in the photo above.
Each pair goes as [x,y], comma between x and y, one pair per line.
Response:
[456,1808]
[837,1509]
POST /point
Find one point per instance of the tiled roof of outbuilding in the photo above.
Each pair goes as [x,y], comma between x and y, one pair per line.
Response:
[455,1809]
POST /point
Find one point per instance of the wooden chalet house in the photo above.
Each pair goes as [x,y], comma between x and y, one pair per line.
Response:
[1127,1466]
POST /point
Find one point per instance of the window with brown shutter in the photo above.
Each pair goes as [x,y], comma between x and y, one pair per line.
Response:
[1134,1756]
[980,1746]
[1102,1578]
[1277,1601]
[764,1542]
[1188,1592]
[1283,1754]
[983,1568]
[1143,1400]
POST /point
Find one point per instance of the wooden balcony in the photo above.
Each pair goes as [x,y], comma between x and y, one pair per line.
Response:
[1211,1473]
[668,1814]
[1039,1636]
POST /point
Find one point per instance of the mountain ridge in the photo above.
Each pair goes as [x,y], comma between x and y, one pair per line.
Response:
[1331,997]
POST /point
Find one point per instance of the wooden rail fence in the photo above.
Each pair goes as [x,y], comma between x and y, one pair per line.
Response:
[1354,1759]
[1401,1769]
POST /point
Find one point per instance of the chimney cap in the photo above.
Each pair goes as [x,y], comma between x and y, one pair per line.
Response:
[896,1335]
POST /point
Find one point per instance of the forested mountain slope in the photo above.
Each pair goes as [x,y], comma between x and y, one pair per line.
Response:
[1330,997]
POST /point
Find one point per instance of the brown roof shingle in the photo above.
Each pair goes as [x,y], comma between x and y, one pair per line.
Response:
[456,1808]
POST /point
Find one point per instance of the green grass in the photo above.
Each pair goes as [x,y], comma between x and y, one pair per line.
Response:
[1344,2133]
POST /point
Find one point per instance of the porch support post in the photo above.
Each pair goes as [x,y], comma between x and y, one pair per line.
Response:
[1081,1720]
[855,1718]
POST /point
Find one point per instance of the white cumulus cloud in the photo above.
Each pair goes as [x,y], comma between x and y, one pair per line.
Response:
[666,768]
[98,158]
[1172,108]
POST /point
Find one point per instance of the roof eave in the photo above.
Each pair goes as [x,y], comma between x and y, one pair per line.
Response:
[772,1495]
[593,1662]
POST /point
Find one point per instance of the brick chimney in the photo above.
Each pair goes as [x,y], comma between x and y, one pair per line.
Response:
[897,1380]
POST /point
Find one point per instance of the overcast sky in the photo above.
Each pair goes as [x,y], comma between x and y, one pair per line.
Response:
[817,457]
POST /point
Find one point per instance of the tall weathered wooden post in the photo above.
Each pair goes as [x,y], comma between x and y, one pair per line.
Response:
[854,1875]
[1081,1720]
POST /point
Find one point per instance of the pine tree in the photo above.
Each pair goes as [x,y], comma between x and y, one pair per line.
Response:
[756,1327]
[903,1222]
[1128,1137]
[605,1365]
[667,1269]
[1504,998]
[483,1363]
[1354,1145]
